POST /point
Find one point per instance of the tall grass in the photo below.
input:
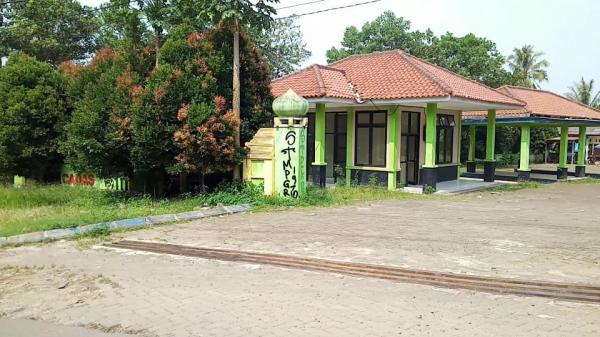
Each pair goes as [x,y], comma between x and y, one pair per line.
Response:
[35,208]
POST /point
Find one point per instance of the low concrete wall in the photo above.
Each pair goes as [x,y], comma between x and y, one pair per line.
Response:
[56,234]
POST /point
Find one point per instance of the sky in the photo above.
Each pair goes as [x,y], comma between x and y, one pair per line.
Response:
[567,31]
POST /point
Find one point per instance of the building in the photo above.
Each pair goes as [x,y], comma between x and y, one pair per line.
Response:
[542,108]
[389,118]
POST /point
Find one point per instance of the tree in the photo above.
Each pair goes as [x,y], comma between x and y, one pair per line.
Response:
[386,32]
[236,13]
[583,92]
[52,31]
[99,135]
[528,69]
[470,56]
[255,99]
[32,115]
[282,46]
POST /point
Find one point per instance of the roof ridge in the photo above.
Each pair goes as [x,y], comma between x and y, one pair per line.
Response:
[294,72]
[363,55]
[409,58]
[320,81]
[552,93]
[467,79]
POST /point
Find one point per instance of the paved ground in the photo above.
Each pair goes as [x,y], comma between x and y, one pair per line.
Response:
[551,233]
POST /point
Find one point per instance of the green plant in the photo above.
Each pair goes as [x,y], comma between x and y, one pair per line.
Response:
[373,179]
[507,159]
[429,189]
[340,173]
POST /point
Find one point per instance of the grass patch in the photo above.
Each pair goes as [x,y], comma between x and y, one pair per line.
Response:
[38,208]
[515,187]
[587,180]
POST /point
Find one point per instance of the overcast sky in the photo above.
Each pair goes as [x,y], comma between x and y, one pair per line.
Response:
[567,31]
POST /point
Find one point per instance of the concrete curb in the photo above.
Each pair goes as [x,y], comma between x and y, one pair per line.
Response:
[57,234]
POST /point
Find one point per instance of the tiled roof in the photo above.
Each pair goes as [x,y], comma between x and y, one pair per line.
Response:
[386,76]
[541,103]
[315,81]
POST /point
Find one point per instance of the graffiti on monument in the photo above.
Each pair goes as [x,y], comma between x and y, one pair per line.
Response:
[290,182]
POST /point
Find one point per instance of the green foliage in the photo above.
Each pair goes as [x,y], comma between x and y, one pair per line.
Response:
[256,99]
[429,190]
[52,31]
[470,56]
[373,180]
[583,92]
[507,159]
[37,208]
[253,13]
[32,114]
[282,46]
[528,69]
[387,32]
[98,136]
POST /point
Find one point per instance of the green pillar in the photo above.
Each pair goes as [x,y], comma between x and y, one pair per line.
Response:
[564,139]
[490,139]
[489,166]
[320,135]
[582,154]
[459,128]
[472,135]
[349,144]
[429,171]
[525,145]
[392,146]
[430,129]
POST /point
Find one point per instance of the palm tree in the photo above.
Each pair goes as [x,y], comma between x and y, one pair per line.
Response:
[527,66]
[583,91]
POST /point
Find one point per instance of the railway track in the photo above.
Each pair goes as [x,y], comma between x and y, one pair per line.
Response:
[555,290]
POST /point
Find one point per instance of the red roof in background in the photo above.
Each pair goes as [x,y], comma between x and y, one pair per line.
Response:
[385,75]
[542,104]
[315,81]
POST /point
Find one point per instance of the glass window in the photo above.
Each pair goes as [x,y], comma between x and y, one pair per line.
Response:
[362,146]
[371,135]
[445,139]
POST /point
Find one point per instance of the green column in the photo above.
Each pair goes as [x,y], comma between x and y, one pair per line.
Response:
[430,134]
[564,139]
[472,135]
[392,146]
[491,135]
[320,135]
[525,143]
[582,146]
[349,145]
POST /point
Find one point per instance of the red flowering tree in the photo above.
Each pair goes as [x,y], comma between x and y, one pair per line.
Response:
[180,124]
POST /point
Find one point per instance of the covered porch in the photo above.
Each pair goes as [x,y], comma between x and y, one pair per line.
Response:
[387,118]
[543,109]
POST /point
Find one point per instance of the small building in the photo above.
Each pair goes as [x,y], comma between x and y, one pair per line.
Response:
[542,108]
[389,118]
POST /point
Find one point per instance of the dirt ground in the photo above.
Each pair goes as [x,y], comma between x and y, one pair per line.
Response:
[551,233]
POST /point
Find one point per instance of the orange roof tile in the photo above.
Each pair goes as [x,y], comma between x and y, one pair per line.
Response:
[315,81]
[541,103]
[386,75]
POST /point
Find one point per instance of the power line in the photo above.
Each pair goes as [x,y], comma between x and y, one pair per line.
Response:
[300,4]
[329,9]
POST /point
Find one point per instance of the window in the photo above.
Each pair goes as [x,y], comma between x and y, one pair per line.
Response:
[371,133]
[445,139]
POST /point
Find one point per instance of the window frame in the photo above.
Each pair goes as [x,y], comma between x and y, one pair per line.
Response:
[370,126]
[447,129]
